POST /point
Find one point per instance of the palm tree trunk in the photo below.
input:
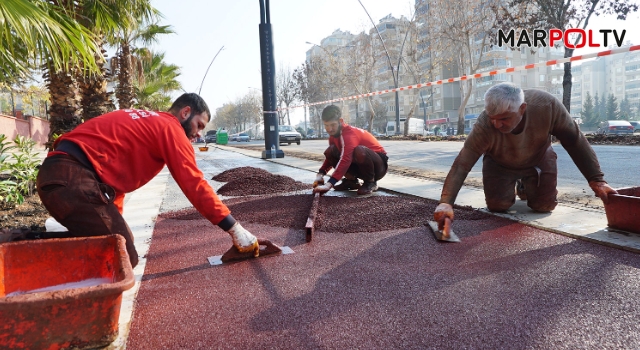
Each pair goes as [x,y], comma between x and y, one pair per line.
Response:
[124,91]
[96,100]
[65,110]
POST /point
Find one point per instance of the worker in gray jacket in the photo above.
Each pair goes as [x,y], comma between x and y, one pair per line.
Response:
[514,135]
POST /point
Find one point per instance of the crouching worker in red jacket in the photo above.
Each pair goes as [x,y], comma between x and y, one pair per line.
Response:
[354,153]
[82,182]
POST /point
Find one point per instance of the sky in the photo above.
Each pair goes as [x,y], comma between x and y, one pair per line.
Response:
[203,27]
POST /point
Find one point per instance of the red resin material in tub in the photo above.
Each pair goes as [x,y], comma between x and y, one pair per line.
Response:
[83,317]
[623,210]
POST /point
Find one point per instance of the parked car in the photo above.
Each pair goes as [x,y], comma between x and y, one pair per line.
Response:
[242,137]
[615,127]
[287,134]
[210,137]
[636,125]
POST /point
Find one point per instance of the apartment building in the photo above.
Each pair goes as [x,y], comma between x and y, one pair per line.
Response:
[615,74]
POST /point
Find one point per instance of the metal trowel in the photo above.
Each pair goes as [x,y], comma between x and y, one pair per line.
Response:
[446,234]
[232,255]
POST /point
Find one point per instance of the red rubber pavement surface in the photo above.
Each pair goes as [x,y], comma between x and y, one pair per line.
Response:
[506,286]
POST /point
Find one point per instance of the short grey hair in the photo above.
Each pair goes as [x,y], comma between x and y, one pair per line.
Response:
[503,97]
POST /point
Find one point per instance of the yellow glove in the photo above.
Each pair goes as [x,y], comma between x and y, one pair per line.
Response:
[243,240]
[323,188]
[319,180]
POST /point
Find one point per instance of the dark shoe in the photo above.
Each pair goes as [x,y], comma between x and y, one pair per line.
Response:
[367,188]
[347,185]
[520,190]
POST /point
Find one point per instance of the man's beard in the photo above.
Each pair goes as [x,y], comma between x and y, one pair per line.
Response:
[186,125]
[337,134]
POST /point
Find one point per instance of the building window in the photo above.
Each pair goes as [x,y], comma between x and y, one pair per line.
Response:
[541,78]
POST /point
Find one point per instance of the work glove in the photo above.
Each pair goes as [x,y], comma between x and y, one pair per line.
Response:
[319,180]
[243,240]
[602,190]
[443,210]
[323,188]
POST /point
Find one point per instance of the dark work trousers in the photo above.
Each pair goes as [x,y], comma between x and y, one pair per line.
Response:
[365,164]
[540,184]
[76,198]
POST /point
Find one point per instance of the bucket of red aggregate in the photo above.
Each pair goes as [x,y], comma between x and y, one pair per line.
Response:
[62,293]
[623,209]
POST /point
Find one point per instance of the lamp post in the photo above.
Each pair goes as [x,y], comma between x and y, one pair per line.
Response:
[396,74]
[267,63]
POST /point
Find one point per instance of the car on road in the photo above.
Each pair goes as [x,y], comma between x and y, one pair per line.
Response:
[287,134]
[242,137]
[210,137]
[615,127]
[636,125]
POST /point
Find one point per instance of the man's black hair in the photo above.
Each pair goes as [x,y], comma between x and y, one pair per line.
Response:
[193,100]
[331,113]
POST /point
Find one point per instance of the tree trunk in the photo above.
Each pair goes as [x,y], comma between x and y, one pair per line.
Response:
[463,105]
[96,100]
[566,81]
[65,110]
[124,91]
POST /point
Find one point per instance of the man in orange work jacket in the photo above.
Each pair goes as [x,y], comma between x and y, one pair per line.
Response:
[82,182]
[354,153]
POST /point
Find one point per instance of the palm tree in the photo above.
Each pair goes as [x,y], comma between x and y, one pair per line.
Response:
[109,18]
[158,80]
[123,65]
[102,17]
[31,33]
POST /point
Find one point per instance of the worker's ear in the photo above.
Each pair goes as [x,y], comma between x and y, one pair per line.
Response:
[184,113]
[523,107]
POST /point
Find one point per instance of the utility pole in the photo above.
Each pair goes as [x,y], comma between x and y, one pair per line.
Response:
[269,106]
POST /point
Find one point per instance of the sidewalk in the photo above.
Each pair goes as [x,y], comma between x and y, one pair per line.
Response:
[162,195]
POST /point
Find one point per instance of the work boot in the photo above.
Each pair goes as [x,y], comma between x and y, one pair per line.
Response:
[347,185]
[520,190]
[368,187]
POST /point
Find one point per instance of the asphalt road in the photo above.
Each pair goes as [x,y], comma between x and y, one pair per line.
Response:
[620,164]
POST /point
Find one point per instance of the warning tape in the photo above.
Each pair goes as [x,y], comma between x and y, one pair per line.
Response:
[476,76]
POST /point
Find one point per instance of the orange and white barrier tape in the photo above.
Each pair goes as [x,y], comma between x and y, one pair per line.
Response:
[477,75]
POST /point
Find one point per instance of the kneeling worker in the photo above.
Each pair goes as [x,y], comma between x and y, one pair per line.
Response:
[354,153]
[82,182]
[514,135]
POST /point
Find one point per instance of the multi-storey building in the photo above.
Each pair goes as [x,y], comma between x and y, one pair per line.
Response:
[618,75]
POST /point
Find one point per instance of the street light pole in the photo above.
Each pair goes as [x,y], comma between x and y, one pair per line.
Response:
[269,106]
[396,74]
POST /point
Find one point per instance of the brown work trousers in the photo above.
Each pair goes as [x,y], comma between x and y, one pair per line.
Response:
[540,184]
[76,198]
[365,164]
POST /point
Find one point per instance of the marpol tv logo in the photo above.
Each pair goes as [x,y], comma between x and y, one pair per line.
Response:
[567,37]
